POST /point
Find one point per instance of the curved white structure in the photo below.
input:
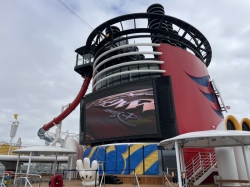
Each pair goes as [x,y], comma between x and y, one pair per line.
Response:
[72,145]
[122,55]
[122,47]
[127,64]
[128,72]
[226,164]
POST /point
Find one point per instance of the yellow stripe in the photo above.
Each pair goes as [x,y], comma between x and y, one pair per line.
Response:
[110,148]
[139,168]
[150,159]
[134,148]
[92,152]
[234,121]
[125,156]
[245,120]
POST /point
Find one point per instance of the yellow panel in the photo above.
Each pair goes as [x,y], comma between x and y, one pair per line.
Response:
[4,149]
[134,148]
[139,167]
[110,148]
[125,156]
[92,152]
[150,159]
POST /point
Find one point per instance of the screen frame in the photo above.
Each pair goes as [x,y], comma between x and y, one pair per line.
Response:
[145,137]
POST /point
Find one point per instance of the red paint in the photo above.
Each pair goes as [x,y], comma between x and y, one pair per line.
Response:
[71,107]
[194,112]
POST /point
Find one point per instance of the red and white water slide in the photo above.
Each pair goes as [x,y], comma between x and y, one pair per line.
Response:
[67,111]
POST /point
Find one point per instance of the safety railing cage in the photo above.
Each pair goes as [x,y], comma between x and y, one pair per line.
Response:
[132,40]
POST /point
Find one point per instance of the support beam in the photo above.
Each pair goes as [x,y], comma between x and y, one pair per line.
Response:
[28,169]
[178,163]
[17,164]
[245,159]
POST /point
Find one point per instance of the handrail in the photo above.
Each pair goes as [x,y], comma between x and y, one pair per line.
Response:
[200,164]
[166,177]
[103,177]
[136,179]
[27,181]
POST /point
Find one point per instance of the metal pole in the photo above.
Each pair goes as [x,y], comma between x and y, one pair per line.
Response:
[28,169]
[54,172]
[245,159]
[18,158]
[10,145]
[183,167]
[178,163]
[71,161]
[134,177]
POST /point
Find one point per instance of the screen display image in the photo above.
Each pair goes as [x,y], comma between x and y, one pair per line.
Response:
[125,114]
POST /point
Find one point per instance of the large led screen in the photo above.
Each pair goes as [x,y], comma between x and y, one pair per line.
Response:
[120,112]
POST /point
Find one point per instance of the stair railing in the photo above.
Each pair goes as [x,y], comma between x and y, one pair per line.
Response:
[166,175]
[200,164]
[136,179]
[103,178]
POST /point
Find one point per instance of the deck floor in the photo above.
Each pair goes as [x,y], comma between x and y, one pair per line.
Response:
[78,183]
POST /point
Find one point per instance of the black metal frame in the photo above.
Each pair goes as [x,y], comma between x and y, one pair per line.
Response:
[158,136]
[97,42]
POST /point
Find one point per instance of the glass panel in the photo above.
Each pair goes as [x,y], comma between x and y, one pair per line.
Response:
[144,75]
[110,81]
[124,78]
[134,76]
[79,60]
[104,83]
[154,66]
[87,58]
[98,86]
[117,79]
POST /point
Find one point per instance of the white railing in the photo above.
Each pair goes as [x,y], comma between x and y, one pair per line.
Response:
[166,175]
[136,178]
[23,179]
[200,164]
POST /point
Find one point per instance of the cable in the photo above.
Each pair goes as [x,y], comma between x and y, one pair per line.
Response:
[84,22]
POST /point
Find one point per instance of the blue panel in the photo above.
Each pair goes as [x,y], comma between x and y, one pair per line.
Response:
[122,159]
[151,159]
[100,157]
[153,170]
[136,158]
[110,165]
[203,81]
[86,152]
[218,112]
[148,149]
[209,96]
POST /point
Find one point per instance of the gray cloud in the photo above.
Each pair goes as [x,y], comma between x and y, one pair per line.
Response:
[37,57]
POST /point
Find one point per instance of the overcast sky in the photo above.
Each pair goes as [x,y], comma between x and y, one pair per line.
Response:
[37,58]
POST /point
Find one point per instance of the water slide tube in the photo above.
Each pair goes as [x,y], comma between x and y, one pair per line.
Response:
[67,111]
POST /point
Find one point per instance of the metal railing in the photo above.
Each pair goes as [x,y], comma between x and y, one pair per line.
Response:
[2,183]
[166,175]
[25,179]
[200,164]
